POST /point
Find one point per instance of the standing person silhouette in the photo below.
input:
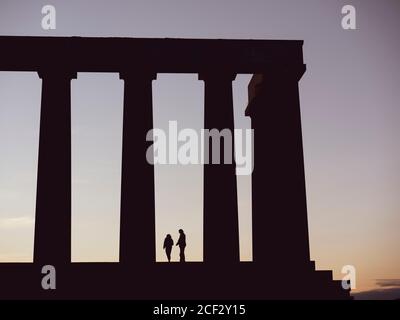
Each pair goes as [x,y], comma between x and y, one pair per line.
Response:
[182,244]
[168,244]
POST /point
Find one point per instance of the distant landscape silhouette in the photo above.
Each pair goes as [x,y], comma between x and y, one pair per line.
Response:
[281,266]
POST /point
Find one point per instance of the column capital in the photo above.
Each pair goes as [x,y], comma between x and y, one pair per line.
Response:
[57,73]
[217,75]
[137,75]
[272,80]
[284,72]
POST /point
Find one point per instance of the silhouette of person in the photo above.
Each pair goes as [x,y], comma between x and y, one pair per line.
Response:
[182,244]
[168,244]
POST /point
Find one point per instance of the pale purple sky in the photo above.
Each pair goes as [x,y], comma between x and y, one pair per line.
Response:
[350,111]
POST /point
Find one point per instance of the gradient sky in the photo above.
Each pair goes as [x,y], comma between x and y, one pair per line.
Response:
[350,113]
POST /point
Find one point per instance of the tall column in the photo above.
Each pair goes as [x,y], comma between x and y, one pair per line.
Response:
[137,233]
[221,231]
[280,229]
[53,195]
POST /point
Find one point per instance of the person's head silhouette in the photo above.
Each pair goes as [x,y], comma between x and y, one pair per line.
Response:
[168,236]
[180,231]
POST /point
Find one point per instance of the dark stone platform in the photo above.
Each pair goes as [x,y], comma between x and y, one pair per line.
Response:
[191,280]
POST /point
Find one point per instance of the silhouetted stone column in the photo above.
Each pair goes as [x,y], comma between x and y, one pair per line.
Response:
[137,233]
[280,229]
[221,231]
[53,196]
